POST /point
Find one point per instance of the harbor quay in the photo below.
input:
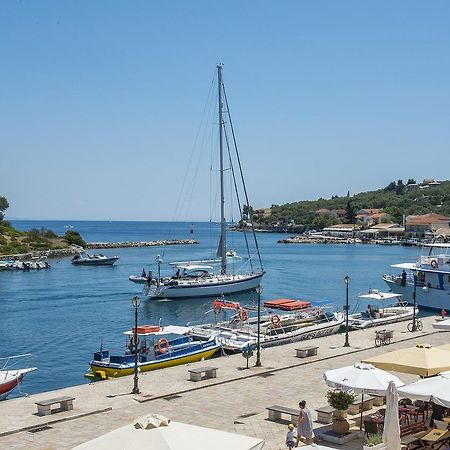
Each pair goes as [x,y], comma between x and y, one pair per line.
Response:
[235,401]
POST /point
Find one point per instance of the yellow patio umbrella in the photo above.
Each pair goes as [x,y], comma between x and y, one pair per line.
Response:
[444,347]
[423,360]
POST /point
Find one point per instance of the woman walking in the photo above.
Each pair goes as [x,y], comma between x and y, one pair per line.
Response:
[305,431]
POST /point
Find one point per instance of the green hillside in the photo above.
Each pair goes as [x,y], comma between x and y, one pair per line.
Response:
[394,199]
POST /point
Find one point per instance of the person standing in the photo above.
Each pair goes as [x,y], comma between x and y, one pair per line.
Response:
[290,437]
[305,431]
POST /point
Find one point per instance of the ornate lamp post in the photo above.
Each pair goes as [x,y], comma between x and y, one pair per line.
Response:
[136,301]
[258,345]
[347,281]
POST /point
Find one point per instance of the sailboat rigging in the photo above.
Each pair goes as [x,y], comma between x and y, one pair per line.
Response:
[195,278]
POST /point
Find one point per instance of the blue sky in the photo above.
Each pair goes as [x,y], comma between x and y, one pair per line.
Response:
[101,101]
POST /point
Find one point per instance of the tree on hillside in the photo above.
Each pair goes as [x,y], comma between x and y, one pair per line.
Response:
[411,181]
[246,211]
[350,213]
[400,188]
[4,205]
[390,187]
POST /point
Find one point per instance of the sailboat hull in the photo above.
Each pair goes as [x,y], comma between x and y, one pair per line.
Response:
[211,287]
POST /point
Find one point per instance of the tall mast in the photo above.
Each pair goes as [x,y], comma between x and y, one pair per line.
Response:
[223,237]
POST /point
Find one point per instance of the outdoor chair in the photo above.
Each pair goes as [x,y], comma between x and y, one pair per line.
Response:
[440,424]
[406,402]
[421,411]
[370,428]
[382,412]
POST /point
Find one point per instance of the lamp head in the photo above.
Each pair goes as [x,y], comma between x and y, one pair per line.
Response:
[347,280]
[136,301]
[258,289]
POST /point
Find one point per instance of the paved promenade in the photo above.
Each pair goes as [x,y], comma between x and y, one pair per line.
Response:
[235,401]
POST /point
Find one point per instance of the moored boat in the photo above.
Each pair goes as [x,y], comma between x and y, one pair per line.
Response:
[429,277]
[384,308]
[158,347]
[275,329]
[11,377]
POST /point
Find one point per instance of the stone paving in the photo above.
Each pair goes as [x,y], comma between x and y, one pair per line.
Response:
[235,401]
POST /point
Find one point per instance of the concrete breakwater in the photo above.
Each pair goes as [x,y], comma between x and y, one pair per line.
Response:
[319,240]
[92,245]
[70,251]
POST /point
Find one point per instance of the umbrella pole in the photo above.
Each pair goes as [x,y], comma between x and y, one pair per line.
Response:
[362,409]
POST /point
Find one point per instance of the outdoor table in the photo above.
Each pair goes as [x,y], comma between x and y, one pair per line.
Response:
[408,410]
[434,437]
[446,419]
[377,419]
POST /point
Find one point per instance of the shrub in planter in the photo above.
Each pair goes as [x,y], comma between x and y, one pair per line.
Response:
[374,441]
[340,400]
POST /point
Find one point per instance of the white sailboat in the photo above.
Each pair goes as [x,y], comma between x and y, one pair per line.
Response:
[198,278]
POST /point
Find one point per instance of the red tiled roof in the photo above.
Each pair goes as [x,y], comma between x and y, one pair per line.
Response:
[426,219]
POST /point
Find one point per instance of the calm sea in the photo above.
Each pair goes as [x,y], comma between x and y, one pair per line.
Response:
[61,315]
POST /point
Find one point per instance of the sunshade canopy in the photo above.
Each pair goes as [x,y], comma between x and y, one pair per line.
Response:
[434,389]
[174,436]
[423,360]
[361,378]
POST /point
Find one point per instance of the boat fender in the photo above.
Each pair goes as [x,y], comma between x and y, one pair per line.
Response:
[243,314]
[163,345]
[434,264]
[275,319]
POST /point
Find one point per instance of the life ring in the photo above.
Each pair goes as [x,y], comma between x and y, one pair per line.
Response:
[434,264]
[243,314]
[133,343]
[275,319]
[163,345]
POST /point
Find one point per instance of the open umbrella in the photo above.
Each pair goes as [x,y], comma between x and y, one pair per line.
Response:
[423,360]
[391,429]
[362,379]
[433,389]
[174,436]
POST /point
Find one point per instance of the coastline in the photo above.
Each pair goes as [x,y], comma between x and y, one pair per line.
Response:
[57,253]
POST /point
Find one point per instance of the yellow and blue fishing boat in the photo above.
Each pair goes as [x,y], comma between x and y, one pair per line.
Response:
[157,347]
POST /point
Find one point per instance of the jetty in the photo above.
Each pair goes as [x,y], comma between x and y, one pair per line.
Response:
[74,249]
[235,401]
[93,245]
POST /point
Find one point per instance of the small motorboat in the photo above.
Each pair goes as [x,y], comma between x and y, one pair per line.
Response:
[11,377]
[390,309]
[158,347]
[85,259]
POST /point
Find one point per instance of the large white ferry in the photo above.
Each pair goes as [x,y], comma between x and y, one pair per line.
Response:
[429,277]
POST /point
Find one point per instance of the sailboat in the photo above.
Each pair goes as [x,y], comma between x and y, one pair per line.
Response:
[193,279]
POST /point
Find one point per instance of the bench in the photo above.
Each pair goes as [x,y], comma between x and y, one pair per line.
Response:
[197,374]
[411,435]
[275,412]
[45,406]
[416,427]
[306,351]
[325,414]
[355,407]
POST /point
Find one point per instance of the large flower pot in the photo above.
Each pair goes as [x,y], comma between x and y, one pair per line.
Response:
[340,426]
[339,414]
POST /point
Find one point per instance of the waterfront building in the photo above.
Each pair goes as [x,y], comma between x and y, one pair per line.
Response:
[425,225]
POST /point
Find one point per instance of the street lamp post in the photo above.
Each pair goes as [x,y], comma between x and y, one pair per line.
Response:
[258,345]
[347,281]
[136,301]
[414,324]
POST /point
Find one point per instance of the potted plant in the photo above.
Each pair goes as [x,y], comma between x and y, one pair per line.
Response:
[340,401]
[374,441]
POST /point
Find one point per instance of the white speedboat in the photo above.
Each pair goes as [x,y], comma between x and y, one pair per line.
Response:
[275,329]
[429,277]
[384,308]
[194,279]
[85,259]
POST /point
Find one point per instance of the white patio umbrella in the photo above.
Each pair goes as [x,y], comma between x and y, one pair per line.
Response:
[175,436]
[362,379]
[434,389]
[391,429]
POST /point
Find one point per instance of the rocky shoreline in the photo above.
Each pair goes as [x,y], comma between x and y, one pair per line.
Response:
[58,253]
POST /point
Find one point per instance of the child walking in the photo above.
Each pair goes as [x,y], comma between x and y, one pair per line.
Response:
[291,439]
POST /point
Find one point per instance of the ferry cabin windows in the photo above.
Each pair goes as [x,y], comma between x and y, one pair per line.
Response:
[421,277]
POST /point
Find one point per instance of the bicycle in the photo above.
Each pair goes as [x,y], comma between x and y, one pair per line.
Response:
[419,326]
